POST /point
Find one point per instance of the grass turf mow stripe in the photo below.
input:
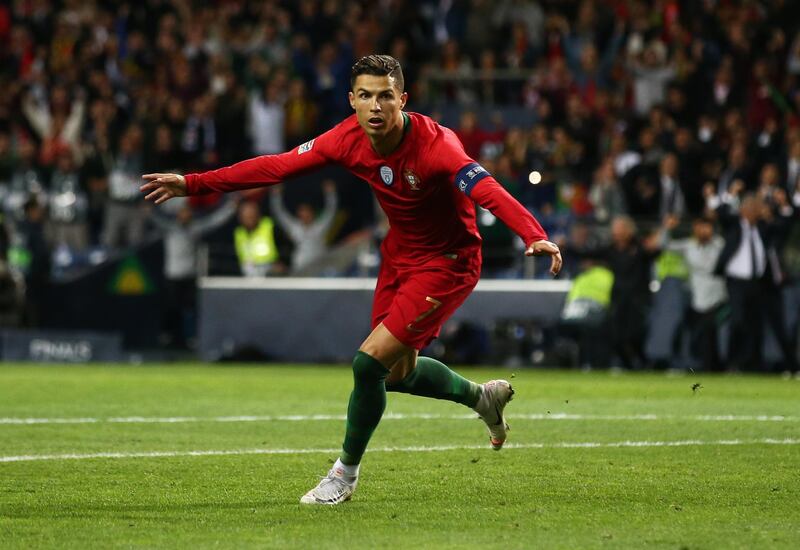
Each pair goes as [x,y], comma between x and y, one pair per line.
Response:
[412,449]
[391,416]
[195,456]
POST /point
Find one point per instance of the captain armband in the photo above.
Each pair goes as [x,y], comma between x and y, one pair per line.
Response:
[469,176]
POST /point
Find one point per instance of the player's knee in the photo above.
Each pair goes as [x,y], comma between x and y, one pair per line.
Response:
[402,369]
[368,369]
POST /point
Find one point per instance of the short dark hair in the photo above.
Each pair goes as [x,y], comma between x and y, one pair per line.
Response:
[378,65]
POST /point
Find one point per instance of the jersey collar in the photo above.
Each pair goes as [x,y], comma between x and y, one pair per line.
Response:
[403,140]
[406,124]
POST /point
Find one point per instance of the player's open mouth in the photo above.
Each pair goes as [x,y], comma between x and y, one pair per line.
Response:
[375,121]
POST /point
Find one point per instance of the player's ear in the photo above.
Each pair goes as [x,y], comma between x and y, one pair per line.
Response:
[403,99]
[352,97]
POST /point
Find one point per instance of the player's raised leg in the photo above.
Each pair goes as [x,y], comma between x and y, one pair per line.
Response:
[431,378]
[415,317]
[434,379]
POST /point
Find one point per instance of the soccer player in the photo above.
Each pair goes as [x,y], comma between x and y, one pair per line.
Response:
[426,184]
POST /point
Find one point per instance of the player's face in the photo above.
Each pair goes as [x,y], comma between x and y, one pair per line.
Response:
[377,103]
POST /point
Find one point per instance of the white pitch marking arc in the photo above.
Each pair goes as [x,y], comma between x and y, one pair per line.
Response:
[389,416]
[413,449]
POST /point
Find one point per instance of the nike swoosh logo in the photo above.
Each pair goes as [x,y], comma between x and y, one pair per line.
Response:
[499,416]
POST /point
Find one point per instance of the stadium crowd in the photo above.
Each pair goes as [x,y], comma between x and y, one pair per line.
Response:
[640,118]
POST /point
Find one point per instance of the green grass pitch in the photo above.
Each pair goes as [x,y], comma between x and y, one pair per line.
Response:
[594,461]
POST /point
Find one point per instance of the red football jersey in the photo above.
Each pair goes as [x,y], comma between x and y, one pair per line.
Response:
[426,186]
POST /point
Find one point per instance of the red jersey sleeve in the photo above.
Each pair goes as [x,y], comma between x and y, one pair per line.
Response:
[473,180]
[265,170]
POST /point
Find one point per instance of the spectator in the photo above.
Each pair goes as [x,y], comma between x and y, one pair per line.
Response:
[254,239]
[57,127]
[770,183]
[27,179]
[475,138]
[737,169]
[708,294]
[689,158]
[300,114]
[623,154]
[750,263]
[580,247]
[470,135]
[307,233]
[95,174]
[457,67]
[331,80]
[585,316]
[29,254]
[590,68]
[199,138]
[605,194]
[165,155]
[68,206]
[231,118]
[651,73]
[642,188]
[125,214]
[792,166]
[724,94]
[267,119]
[671,199]
[630,260]
[760,101]
[490,90]
[181,238]
[508,13]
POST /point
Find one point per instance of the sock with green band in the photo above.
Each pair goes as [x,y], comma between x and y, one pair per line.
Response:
[431,378]
[367,403]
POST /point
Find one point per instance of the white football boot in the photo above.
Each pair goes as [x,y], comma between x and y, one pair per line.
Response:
[495,395]
[332,489]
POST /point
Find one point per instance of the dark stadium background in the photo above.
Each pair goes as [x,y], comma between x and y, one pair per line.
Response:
[590,97]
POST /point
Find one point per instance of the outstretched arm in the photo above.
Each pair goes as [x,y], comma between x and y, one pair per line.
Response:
[256,172]
[474,181]
[493,196]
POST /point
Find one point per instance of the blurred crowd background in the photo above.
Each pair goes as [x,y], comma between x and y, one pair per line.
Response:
[634,130]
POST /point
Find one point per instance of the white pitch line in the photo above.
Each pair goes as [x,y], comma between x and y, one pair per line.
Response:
[413,449]
[390,416]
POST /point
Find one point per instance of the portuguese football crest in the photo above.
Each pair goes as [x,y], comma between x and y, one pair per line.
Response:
[387,175]
[412,179]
